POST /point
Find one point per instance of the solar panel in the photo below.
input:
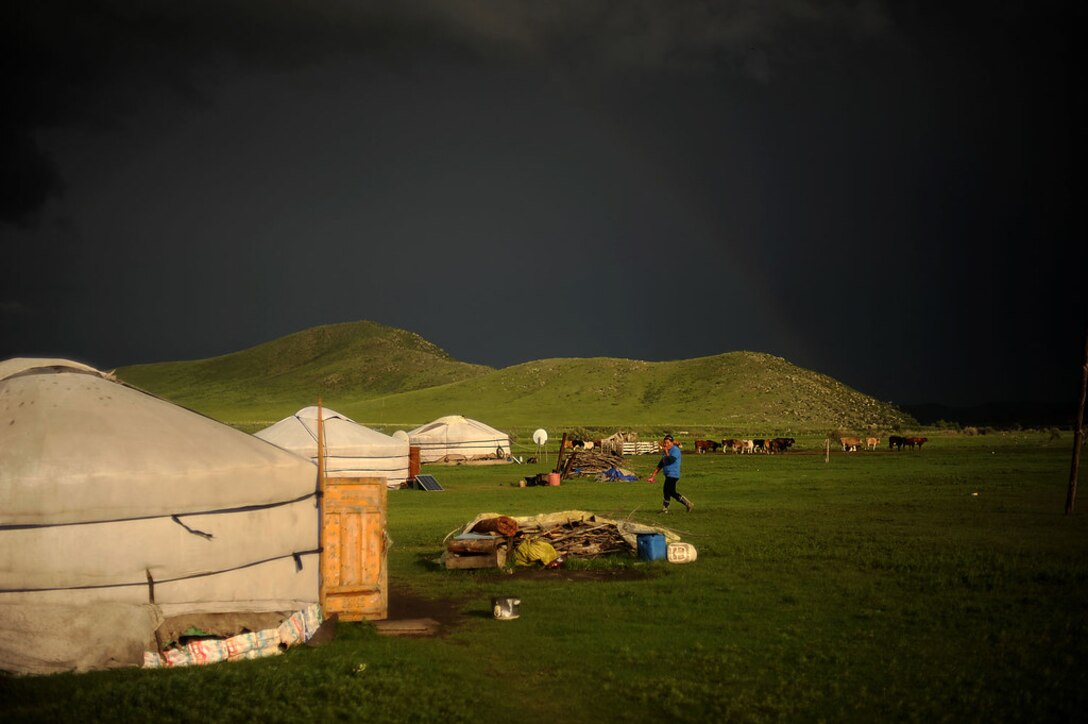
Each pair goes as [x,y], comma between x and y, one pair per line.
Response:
[427,482]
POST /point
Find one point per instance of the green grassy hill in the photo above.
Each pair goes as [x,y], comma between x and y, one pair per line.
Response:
[354,360]
[739,393]
[391,378]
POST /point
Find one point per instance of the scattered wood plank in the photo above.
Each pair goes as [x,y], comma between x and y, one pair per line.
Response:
[408,627]
[496,559]
[457,545]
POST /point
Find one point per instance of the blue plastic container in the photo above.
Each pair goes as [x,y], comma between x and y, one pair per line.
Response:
[651,547]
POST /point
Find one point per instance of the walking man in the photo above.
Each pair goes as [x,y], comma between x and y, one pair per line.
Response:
[670,465]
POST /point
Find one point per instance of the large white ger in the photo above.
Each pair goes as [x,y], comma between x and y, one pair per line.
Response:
[351,449]
[456,438]
[119,510]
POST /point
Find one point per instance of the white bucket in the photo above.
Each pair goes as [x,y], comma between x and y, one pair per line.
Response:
[505,608]
[681,553]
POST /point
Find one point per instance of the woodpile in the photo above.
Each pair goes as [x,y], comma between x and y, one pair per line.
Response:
[569,533]
[584,538]
[590,462]
[577,538]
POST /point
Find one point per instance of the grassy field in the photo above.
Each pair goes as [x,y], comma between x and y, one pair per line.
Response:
[874,587]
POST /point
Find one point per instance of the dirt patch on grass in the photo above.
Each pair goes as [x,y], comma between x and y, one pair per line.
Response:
[562,574]
[404,605]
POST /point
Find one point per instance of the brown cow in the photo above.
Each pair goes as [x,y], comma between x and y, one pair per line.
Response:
[849,444]
[871,443]
[911,442]
[705,446]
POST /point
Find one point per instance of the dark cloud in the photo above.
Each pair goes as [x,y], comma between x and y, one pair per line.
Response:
[72,62]
[875,191]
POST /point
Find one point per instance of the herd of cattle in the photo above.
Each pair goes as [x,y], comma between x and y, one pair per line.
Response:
[779,444]
[782,444]
[895,442]
[771,446]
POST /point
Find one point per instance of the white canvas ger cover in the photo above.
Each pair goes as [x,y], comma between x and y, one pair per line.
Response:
[455,437]
[110,496]
[351,449]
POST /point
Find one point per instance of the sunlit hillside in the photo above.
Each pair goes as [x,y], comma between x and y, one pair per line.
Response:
[734,393]
[354,360]
[391,378]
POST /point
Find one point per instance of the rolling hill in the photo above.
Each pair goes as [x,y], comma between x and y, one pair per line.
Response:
[354,360]
[391,378]
[733,393]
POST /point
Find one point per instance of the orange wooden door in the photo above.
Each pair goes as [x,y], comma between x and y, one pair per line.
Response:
[353,570]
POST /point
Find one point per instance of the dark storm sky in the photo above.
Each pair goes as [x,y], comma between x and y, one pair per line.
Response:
[890,194]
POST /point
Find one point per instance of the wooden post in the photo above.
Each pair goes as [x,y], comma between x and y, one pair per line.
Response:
[151,597]
[827,450]
[320,448]
[323,554]
[559,456]
[1078,435]
[567,468]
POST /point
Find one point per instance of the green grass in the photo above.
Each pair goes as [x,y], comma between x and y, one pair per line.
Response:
[874,587]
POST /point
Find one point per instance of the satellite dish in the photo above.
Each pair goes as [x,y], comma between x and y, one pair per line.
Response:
[400,435]
[540,436]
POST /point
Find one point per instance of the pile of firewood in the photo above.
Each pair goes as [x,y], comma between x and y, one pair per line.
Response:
[493,540]
[590,462]
[577,538]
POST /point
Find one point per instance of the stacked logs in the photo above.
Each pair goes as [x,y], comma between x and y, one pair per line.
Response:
[585,539]
[590,462]
[577,538]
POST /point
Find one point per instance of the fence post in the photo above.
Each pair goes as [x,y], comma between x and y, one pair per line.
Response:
[1078,435]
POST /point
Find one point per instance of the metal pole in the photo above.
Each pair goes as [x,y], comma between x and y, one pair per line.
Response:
[1078,435]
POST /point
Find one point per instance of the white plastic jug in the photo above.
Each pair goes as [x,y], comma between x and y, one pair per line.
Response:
[681,553]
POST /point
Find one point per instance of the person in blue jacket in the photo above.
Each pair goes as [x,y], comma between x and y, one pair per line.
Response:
[670,465]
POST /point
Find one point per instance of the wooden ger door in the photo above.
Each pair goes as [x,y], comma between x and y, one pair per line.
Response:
[353,570]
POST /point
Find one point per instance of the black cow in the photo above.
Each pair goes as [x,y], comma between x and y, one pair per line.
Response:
[779,444]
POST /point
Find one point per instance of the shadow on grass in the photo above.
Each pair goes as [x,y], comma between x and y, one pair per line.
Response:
[429,562]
